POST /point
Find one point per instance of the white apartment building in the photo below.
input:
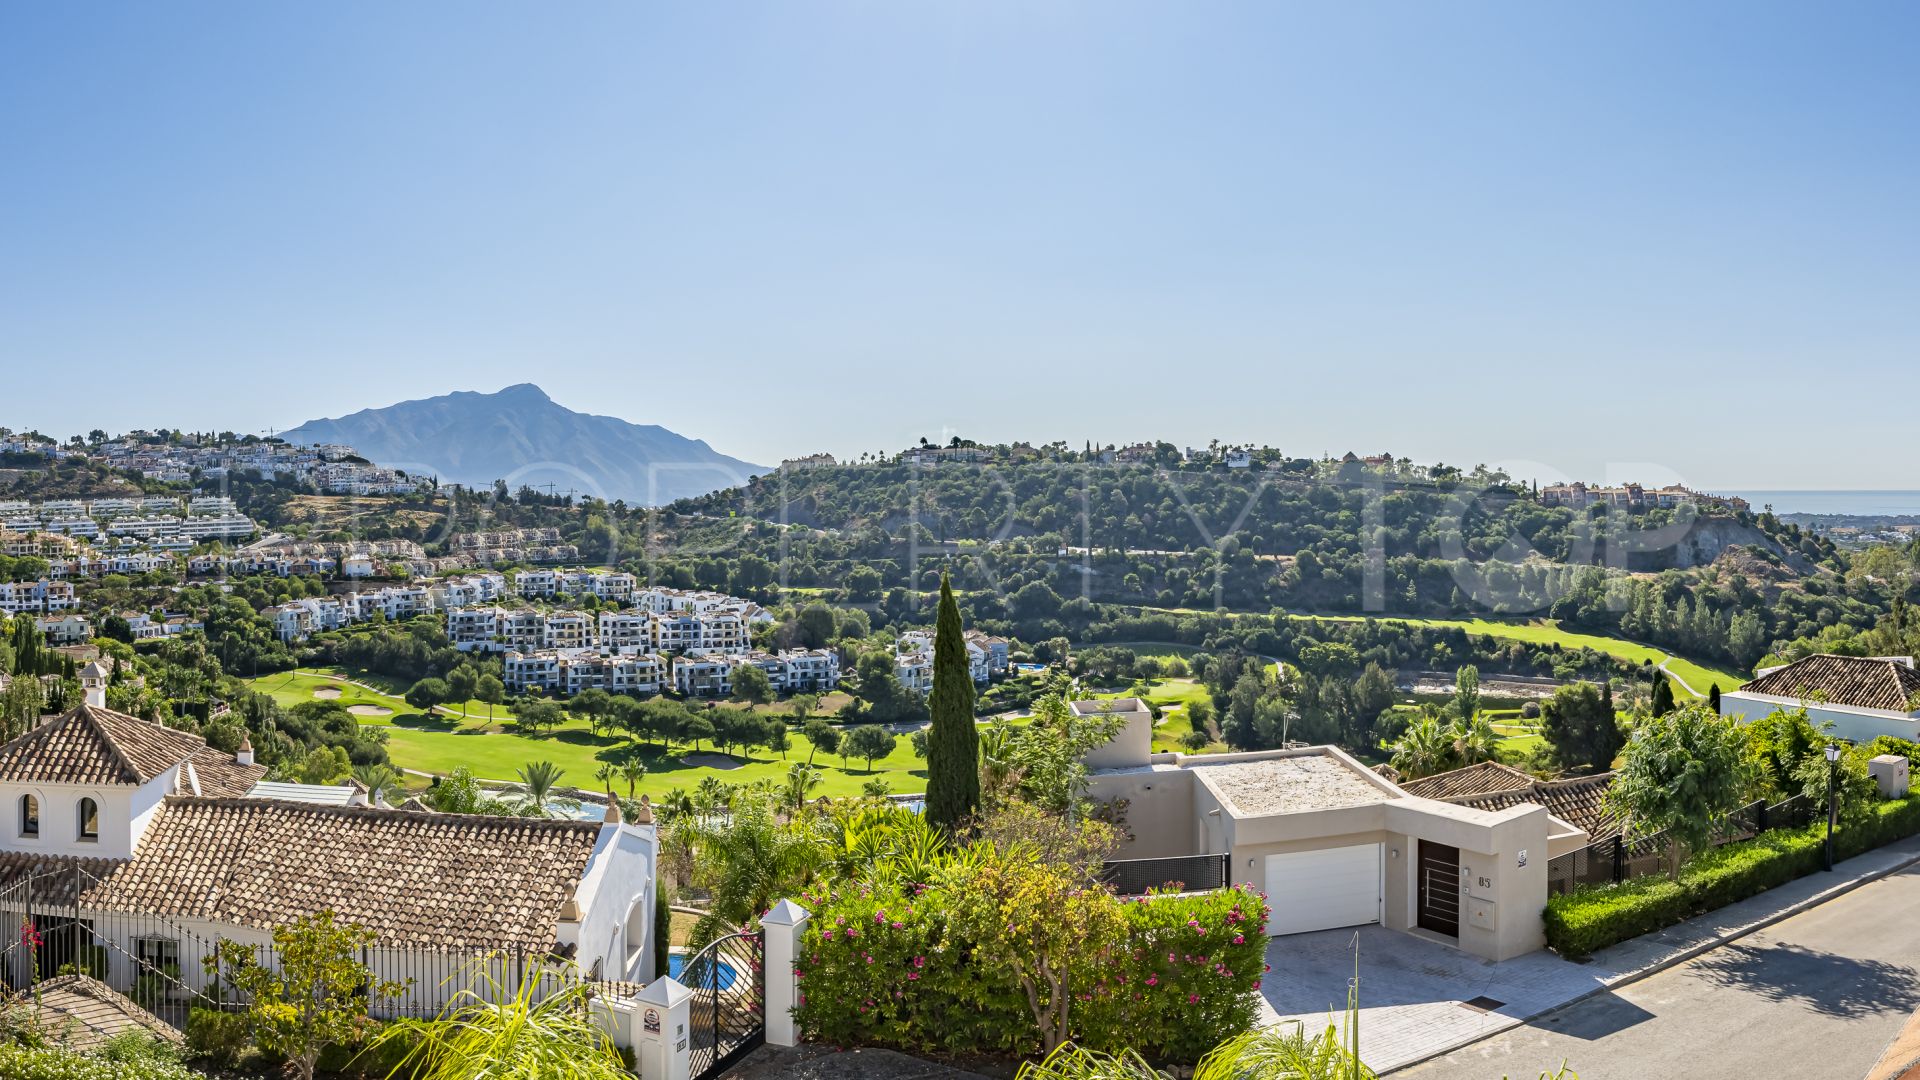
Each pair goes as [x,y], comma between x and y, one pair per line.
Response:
[713,631]
[567,630]
[607,585]
[35,597]
[569,671]
[627,629]
[811,670]
[536,584]
[703,675]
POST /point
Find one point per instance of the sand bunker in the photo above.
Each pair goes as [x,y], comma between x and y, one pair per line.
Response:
[369,710]
[327,693]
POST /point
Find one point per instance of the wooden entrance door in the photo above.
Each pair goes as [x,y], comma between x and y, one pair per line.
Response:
[1438,905]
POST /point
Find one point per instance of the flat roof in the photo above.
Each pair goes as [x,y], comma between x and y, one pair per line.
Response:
[1288,785]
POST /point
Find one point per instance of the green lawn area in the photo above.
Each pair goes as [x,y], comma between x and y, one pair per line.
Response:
[1547,632]
[1172,696]
[441,744]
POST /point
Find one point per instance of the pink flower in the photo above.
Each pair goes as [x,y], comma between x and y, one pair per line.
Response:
[1256,984]
[1153,980]
[1193,999]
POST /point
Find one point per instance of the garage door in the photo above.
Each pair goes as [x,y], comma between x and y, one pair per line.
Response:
[1319,890]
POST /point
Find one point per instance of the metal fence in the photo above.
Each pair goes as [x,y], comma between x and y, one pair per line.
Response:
[64,922]
[1178,873]
[1620,858]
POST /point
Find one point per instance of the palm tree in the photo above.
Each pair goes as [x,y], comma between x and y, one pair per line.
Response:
[633,770]
[538,779]
[801,781]
[1425,748]
[751,862]
[380,781]
[604,774]
[1473,740]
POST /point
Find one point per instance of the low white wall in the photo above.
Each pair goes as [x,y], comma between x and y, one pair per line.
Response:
[1852,724]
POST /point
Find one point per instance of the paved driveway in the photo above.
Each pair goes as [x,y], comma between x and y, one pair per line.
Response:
[1412,991]
[1815,997]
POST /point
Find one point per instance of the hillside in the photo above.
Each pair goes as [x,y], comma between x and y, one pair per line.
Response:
[1042,535]
[521,436]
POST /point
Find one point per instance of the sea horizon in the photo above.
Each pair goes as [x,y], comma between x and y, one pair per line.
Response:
[1861,503]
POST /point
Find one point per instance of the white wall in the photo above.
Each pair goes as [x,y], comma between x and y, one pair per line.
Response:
[1855,725]
[125,813]
[621,873]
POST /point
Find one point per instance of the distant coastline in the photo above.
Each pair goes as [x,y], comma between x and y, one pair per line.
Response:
[1864,504]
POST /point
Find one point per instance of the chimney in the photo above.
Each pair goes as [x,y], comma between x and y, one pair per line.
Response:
[93,683]
[244,756]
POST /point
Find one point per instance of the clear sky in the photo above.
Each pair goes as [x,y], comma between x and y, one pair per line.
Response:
[1607,240]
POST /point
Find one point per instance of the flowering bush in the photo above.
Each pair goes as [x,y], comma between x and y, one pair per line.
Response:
[935,969]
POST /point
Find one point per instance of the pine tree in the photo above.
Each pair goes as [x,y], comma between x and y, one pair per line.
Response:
[953,743]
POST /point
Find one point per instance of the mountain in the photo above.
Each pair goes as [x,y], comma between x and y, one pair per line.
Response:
[522,436]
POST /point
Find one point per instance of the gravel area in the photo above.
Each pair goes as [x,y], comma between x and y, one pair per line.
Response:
[1288,785]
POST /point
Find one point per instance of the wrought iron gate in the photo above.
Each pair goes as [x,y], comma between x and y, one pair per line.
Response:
[727,1017]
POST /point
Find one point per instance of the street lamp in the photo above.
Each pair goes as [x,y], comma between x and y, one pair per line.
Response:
[1833,760]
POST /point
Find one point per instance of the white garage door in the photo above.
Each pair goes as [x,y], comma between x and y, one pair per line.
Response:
[1319,890]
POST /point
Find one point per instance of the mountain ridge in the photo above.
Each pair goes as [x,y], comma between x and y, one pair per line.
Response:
[521,435]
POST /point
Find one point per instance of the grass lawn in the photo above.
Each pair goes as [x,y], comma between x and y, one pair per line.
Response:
[1547,632]
[1172,696]
[440,744]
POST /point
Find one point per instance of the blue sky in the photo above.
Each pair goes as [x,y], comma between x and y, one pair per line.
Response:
[1614,241]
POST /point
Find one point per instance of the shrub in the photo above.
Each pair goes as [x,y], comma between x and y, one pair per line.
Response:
[1587,920]
[891,967]
[221,1038]
[28,1063]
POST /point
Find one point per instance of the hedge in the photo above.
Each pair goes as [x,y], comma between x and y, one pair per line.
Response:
[882,967]
[1582,922]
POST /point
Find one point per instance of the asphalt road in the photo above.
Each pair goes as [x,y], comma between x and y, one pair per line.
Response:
[1816,997]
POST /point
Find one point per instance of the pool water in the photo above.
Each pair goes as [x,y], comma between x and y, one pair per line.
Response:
[677,965]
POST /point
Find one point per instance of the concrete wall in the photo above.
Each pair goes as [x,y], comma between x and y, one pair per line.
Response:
[1161,816]
[1852,724]
[1132,746]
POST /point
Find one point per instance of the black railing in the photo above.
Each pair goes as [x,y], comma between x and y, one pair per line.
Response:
[1618,858]
[1177,873]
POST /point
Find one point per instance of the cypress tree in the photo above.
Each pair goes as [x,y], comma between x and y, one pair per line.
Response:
[1713,698]
[1663,702]
[953,743]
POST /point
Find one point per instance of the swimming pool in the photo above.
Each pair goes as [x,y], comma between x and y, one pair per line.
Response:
[723,979]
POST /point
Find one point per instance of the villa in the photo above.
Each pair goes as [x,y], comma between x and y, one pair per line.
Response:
[138,843]
[1856,698]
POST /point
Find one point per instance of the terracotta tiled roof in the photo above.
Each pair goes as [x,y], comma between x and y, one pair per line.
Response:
[89,745]
[1863,682]
[1472,780]
[452,881]
[1579,802]
[83,1012]
[221,777]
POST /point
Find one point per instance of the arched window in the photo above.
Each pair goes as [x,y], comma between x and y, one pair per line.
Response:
[29,816]
[89,820]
